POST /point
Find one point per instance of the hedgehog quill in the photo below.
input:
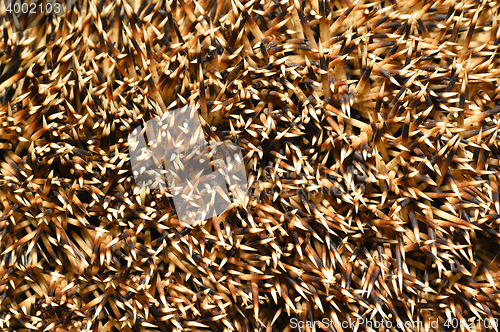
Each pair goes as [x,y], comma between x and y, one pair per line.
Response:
[369,135]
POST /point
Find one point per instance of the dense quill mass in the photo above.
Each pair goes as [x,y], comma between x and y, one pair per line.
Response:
[370,133]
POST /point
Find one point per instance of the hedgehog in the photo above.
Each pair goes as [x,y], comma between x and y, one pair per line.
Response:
[369,133]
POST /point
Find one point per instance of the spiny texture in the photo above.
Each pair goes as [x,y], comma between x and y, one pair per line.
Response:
[370,134]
